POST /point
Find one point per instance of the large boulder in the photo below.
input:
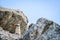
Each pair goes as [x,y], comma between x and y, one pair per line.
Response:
[13,21]
[43,30]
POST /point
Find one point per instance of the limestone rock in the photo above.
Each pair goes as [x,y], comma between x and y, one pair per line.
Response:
[13,26]
[9,20]
[43,30]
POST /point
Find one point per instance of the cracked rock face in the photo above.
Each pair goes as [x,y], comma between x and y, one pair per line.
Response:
[43,30]
[13,23]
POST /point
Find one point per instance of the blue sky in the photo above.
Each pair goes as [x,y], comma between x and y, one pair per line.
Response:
[35,9]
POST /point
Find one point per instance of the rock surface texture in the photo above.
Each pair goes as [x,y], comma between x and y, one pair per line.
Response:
[13,24]
[43,30]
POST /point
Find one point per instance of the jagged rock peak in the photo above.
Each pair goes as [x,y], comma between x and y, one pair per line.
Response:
[44,29]
[43,20]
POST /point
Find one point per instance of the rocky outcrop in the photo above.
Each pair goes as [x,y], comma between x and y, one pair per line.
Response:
[14,26]
[43,30]
[13,23]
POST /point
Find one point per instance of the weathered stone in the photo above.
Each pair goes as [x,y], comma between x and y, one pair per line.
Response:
[13,26]
[43,30]
[9,20]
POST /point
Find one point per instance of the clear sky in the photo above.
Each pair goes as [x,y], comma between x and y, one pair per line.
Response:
[35,9]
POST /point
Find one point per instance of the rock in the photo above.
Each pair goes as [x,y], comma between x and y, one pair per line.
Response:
[9,20]
[14,26]
[43,30]
[5,35]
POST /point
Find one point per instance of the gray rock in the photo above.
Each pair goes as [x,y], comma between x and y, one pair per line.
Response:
[43,30]
[13,26]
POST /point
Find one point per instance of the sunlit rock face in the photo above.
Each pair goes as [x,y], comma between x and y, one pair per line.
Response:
[9,20]
[43,30]
[14,26]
